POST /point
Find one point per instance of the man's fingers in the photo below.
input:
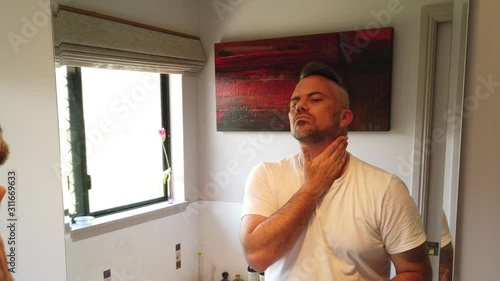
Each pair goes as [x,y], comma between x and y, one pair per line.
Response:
[305,152]
[338,142]
[338,145]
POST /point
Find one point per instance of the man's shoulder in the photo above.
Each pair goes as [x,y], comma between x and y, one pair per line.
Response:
[285,162]
[371,177]
[364,164]
[370,169]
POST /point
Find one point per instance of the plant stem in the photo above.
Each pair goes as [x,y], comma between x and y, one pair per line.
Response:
[166,156]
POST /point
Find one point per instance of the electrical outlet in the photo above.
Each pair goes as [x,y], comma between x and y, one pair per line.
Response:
[107,275]
[433,248]
[177,256]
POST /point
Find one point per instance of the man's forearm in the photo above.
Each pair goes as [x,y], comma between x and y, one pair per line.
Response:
[413,265]
[446,263]
[277,234]
[413,276]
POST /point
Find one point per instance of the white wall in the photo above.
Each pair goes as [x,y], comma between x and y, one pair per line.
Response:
[244,20]
[28,117]
[219,240]
[143,252]
[478,224]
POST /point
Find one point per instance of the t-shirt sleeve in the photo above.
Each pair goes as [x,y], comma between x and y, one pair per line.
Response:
[259,198]
[401,225]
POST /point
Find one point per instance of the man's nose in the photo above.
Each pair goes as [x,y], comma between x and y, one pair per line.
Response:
[301,107]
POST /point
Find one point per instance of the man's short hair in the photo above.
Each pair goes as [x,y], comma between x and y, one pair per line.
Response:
[321,69]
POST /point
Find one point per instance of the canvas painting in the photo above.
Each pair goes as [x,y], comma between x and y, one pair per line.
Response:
[255,79]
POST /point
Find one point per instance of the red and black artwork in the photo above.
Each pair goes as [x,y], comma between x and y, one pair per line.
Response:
[255,79]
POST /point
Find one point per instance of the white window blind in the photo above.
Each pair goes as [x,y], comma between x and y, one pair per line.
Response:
[88,39]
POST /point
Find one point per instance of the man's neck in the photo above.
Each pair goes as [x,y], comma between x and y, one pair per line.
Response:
[317,148]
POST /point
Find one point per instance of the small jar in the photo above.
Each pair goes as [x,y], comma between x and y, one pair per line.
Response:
[253,275]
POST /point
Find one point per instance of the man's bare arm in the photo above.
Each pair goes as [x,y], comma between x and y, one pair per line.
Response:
[265,240]
[413,265]
[446,263]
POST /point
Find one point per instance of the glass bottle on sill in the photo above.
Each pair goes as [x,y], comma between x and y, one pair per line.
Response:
[170,188]
[253,275]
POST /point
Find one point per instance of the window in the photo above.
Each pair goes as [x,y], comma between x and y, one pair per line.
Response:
[112,157]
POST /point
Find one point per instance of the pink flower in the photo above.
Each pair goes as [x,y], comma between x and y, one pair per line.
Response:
[163,134]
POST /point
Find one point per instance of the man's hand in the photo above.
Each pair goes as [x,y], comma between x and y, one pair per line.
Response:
[324,169]
[267,239]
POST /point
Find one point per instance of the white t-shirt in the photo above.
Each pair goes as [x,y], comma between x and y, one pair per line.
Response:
[366,215]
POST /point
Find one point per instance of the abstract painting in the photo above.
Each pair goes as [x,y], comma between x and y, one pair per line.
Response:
[255,79]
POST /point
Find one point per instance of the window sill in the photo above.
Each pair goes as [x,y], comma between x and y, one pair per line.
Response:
[105,224]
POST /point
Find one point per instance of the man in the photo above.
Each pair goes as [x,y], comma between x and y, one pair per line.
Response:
[4,272]
[323,214]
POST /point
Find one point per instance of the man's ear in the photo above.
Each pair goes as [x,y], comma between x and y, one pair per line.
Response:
[345,118]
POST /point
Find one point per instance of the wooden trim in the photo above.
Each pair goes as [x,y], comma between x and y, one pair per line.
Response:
[457,83]
[120,20]
[430,17]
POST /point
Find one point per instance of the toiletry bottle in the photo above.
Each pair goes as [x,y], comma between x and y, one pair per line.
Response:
[253,275]
[262,276]
[237,277]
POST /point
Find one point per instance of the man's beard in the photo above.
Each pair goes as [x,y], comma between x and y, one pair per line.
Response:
[309,137]
[4,152]
[313,136]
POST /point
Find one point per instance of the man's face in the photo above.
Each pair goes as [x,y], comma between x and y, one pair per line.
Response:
[314,110]
[4,149]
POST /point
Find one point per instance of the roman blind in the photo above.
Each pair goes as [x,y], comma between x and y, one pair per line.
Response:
[88,39]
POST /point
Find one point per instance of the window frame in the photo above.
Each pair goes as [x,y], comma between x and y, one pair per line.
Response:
[81,180]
